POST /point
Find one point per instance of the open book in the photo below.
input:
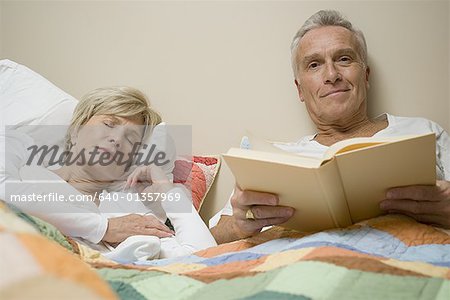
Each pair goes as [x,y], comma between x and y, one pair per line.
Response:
[345,186]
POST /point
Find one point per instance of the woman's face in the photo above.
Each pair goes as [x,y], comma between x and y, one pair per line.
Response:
[108,142]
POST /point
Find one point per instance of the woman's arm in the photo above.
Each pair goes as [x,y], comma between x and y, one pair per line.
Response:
[21,181]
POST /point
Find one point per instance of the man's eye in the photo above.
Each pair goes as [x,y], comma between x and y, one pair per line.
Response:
[109,124]
[345,59]
[313,65]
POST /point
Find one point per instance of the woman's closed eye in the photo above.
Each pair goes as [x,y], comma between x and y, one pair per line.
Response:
[109,124]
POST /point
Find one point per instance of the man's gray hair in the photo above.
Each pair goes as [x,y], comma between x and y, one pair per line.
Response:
[327,18]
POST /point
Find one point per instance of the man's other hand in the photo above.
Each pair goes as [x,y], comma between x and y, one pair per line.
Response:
[426,204]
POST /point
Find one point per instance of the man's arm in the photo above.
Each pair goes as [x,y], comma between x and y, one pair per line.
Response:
[426,204]
[264,207]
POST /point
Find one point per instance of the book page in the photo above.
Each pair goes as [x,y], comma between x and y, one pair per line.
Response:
[359,143]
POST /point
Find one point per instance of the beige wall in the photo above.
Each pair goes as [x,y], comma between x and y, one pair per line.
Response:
[1,29]
[224,67]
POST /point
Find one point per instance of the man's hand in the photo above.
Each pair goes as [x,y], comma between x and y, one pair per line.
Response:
[123,227]
[426,204]
[264,208]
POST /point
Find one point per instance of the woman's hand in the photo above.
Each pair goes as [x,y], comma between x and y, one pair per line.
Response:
[151,183]
[123,227]
[144,175]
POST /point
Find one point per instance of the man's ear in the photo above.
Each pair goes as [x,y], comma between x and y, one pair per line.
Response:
[297,84]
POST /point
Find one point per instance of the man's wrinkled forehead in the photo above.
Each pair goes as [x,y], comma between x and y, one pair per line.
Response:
[334,38]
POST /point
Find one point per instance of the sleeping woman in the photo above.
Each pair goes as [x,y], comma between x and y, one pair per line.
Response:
[109,127]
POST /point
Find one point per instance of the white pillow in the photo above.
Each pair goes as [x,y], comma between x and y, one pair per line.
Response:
[27,98]
[161,138]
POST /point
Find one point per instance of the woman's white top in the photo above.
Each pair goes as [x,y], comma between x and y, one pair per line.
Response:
[74,214]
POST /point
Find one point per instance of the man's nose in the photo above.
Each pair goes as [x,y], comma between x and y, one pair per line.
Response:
[331,73]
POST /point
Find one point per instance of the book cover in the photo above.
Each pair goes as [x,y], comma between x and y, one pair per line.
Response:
[343,187]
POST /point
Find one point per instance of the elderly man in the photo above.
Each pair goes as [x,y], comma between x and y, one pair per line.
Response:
[329,59]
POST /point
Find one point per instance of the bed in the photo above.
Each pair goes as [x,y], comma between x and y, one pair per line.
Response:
[390,257]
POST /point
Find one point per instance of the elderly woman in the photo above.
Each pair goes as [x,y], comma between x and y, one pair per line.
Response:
[329,60]
[107,128]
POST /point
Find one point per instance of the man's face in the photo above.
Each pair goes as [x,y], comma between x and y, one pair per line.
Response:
[332,79]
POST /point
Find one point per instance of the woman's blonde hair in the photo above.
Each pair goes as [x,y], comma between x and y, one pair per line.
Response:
[121,101]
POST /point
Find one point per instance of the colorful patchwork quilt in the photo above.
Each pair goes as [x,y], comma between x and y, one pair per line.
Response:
[390,257]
